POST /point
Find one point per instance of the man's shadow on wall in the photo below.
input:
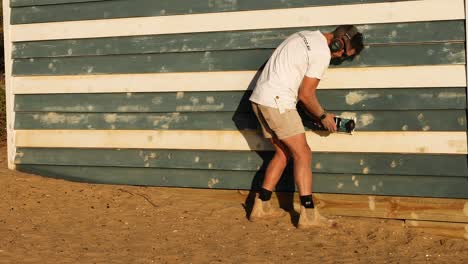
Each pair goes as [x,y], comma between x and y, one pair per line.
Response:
[246,122]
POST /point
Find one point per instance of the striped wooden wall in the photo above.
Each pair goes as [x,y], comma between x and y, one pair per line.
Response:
[156,93]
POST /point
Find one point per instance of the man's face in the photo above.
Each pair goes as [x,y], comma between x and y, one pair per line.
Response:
[344,53]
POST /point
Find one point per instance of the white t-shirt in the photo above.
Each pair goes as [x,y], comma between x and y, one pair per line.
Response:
[304,53]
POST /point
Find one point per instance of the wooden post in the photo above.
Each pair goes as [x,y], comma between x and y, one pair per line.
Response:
[10,114]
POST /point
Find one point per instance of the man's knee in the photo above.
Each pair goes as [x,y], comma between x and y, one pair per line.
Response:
[303,153]
[281,156]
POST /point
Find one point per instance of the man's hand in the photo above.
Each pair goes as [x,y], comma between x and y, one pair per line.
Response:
[329,123]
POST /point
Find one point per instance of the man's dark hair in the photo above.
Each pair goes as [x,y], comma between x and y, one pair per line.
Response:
[356,41]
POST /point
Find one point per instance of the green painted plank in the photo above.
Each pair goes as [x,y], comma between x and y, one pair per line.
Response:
[355,163]
[427,186]
[145,8]
[254,39]
[238,101]
[426,120]
[18,3]
[395,55]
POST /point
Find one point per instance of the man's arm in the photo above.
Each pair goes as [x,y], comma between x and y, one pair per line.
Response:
[307,95]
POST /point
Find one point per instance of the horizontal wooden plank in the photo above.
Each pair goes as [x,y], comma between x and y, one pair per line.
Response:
[381,142]
[238,101]
[144,8]
[322,162]
[422,32]
[428,120]
[435,209]
[335,78]
[19,3]
[427,186]
[454,230]
[372,13]
[237,60]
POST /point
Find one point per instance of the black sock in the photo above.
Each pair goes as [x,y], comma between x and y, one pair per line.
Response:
[265,195]
[307,201]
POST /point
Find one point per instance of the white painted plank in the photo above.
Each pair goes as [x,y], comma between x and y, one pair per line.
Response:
[10,113]
[384,142]
[345,78]
[387,12]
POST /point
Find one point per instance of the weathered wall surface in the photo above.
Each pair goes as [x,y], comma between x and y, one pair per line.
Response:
[156,93]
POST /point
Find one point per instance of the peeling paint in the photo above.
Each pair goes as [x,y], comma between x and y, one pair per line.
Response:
[393,164]
[165,121]
[449,95]
[318,165]
[420,117]
[374,188]
[340,185]
[210,99]
[54,118]
[404,128]
[353,98]
[110,118]
[426,128]
[212,182]
[365,120]
[194,100]
[361,162]
[187,108]
[356,183]
[365,170]
[461,121]
[133,108]
[179,95]
[197,159]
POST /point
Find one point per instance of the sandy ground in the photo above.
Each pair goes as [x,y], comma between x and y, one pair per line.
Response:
[54,221]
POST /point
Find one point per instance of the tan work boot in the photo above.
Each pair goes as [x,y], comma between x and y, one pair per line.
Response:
[310,217]
[264,210]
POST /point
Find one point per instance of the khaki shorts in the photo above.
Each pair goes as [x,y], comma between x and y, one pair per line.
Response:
[273,123]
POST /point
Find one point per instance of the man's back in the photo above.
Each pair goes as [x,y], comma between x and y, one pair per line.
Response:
[305,53]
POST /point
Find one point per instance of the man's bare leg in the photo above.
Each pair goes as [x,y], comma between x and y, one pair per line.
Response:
[276,166]
[262,208]
[302,156]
